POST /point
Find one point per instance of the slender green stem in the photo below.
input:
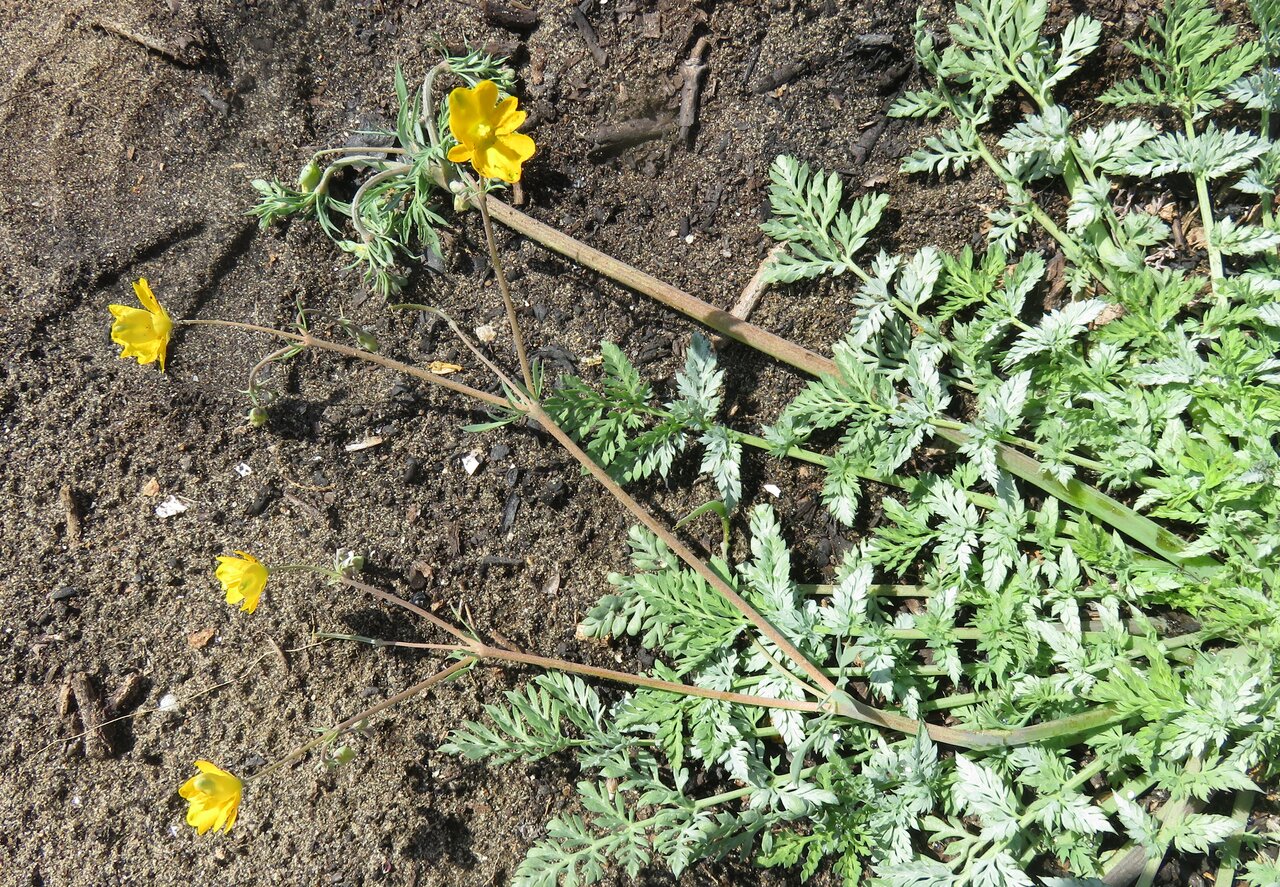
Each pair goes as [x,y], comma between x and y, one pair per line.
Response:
[1241,810]
[1172,814]
[1264,127]
[482,202]
[388,173]
[310,341]
[797,453]
[874,590]
[332,733]
[428,118]
[1210,239]
[946,703]
[358,149]
[261,365]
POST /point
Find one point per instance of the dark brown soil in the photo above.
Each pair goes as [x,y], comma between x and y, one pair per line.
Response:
[123,160]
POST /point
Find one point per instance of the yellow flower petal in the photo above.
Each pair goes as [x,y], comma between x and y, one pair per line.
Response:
[243,578]
[142,290]
[486,95]
[503,158]
[464,115]
[142,332]
[485,130]
[214,798]
[506,118]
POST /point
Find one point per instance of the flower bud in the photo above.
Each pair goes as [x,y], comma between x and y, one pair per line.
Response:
[348,562]
[367,340]
[257,417]
[309,177]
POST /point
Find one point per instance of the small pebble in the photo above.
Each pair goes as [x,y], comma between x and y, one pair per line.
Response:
[411,469]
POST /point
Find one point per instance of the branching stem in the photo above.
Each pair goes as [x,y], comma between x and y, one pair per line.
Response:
[1074,493]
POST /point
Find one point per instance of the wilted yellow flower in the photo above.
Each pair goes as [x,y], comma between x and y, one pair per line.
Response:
[214,797]
[243,579]
[486,132]
[143,332]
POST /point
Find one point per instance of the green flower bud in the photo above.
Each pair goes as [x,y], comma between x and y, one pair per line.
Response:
[309,177]
[367,340]
[257,417]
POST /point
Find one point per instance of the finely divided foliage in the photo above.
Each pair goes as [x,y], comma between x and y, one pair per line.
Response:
[1076,552]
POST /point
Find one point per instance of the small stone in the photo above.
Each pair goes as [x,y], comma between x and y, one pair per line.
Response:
[411,467]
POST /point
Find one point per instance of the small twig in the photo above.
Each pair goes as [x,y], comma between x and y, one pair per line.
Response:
[589,37]
[279,651]
[72,512]
[691,73]
[752,292]
[307,507]
[756,286]
[142,40]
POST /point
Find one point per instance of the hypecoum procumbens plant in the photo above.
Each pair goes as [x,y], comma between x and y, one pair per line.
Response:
[1053,659]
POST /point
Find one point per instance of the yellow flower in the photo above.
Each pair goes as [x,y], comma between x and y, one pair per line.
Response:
[143,332]
[214,797]
[243,579]
[486,132]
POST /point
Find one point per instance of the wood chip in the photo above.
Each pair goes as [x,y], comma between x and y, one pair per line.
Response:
[89,708]
[363,444]
[127,695]
[200,639]
[691,73]
[72,512]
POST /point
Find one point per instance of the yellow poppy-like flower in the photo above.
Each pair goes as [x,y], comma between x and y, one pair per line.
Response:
[243,579]
[214,797]
[486,132]
[143,332]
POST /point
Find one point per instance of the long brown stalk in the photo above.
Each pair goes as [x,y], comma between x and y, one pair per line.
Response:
[1094,502]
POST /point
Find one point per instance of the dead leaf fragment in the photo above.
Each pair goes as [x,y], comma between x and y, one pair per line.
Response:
[200,639]
[151,488]
[443,368]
